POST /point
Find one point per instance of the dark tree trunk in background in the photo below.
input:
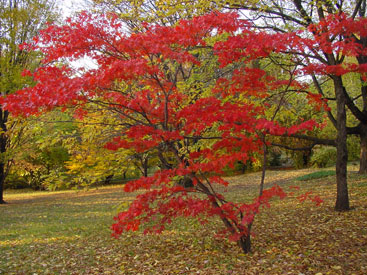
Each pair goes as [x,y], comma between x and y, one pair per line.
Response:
[306,157]
[342,198]
[145,167]
[3,141]
[108,179]
[363,155]
[2,181]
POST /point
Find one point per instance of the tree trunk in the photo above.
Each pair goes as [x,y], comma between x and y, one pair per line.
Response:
[3,141]
[245,243]
[306,157]
[2,181]
[145,167]
[265,160]
[342,199]
[363,156]
[108,179]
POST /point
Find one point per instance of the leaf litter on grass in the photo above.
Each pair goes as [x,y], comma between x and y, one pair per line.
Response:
[68,233]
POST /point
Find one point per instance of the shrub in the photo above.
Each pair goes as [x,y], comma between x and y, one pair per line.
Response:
[323,157]
[353,144]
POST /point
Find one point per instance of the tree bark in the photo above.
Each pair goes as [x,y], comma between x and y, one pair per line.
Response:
[245,242]
[363,155]
[2,182]
[265,160]
[3,140]
[145,167]
[342,198]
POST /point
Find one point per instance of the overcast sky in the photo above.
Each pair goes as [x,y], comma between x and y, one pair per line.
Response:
[68,7]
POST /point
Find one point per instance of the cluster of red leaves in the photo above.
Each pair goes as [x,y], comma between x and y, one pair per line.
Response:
[308,195]
[162,205]
[336,25]
[160,117]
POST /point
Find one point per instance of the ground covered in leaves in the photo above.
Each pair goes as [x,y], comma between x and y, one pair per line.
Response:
[68,233]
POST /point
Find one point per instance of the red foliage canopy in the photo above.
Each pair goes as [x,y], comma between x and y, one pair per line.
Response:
[145,79]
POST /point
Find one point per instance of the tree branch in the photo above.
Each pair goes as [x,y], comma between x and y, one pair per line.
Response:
[316,140]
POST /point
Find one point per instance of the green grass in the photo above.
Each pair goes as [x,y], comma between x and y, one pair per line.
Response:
[69,233]
[316,175]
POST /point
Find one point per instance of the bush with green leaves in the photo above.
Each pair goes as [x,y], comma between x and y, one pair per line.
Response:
[34,168]
[354,148]
[323,157]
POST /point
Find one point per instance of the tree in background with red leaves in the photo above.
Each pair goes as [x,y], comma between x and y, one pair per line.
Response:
[152,82]
[330,47]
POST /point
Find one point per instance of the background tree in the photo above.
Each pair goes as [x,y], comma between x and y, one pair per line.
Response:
[20,21]
[337,37]
[91,163]
[165,13]
[35,150]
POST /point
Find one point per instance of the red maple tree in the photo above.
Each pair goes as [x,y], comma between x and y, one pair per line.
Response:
[150,82]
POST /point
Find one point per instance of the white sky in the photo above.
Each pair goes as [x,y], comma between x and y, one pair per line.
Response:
[68,7]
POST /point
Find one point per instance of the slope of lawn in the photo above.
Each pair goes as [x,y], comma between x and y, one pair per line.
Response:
[68,233]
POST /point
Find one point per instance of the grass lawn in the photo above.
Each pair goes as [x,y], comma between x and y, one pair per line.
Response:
[68,233]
